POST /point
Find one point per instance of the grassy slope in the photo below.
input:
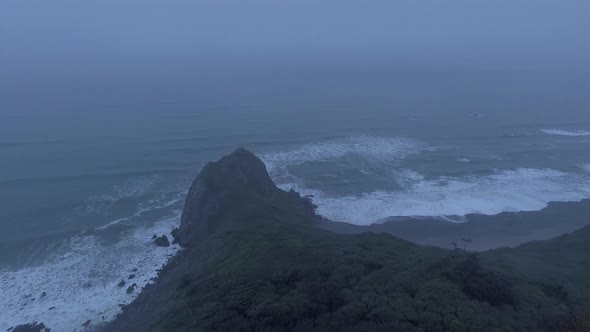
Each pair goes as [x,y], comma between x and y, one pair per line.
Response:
[265,267]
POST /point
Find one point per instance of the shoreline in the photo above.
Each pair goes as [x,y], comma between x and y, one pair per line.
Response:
[506,229]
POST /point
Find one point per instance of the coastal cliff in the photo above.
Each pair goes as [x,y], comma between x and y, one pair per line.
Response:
[254,259]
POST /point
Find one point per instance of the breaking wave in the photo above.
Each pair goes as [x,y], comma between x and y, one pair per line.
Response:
[522,189]
[562,132]
[79,281]
[515,190]
[373,149]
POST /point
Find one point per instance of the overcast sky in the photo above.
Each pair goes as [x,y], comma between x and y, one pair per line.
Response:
[466,28]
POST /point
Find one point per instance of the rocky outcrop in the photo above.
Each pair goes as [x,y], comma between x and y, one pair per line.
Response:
[238,174]
[162,241]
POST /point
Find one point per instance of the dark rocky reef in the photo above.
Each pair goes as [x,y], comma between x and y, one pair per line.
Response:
[31,327]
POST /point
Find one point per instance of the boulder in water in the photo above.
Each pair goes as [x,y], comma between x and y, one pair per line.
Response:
[131,288]
[162,241]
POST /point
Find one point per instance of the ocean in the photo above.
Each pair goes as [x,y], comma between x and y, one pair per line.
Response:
[97,155]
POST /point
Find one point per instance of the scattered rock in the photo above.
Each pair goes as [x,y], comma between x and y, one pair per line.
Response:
[43,295]
[131,276]
[121,284]
[86,323]
[87,285]
[51,308]
[131,288]
[134,270]
[154,237]
[162,241]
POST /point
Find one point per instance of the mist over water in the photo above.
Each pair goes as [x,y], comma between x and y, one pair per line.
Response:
[101,158]
[109,109]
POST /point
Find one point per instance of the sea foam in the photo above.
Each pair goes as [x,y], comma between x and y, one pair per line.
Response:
[507,190]
[521,189]
[80,282]
[562,132]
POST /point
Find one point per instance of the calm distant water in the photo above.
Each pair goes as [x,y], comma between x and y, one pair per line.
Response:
[97,156]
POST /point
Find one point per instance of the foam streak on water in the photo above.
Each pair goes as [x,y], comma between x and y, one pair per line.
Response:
[562,132]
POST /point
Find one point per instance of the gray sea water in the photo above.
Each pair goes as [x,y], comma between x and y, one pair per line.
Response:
[96,155]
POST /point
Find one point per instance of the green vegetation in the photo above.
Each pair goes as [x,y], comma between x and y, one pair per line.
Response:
[263,266]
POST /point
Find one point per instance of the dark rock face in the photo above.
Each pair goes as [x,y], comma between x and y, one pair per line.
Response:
[86,323]
[175,235]
[31,327]
[131,276]
[240,173]
[121,284]
[162,241]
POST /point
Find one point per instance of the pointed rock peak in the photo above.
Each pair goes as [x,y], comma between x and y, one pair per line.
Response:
[237,170]
[239,174]
[242,152]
